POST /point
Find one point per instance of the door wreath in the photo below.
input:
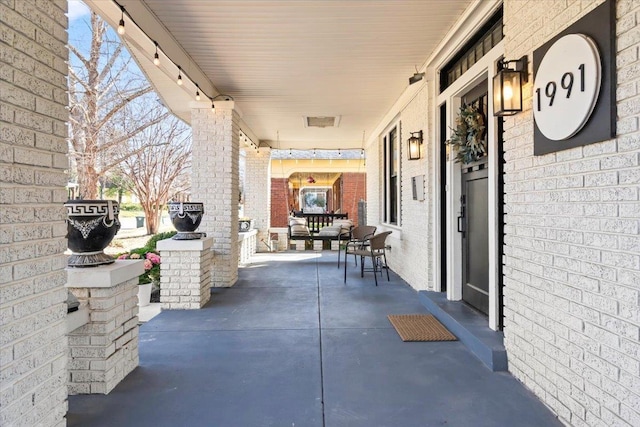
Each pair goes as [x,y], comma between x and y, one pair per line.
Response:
[468,138]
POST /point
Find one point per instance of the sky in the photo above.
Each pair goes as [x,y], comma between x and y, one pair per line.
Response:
[77,9]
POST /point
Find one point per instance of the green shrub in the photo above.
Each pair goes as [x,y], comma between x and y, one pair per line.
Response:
[151,243]
[131,207]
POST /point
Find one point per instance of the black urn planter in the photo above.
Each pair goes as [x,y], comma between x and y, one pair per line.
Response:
[186,217]
[91,225]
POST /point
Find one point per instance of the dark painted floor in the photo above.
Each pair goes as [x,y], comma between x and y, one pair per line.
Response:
[291,345]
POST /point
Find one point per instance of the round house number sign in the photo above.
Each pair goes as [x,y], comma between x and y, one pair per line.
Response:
[566,86]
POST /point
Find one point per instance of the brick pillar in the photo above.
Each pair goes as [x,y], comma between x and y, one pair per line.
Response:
[33,149]
[257,199]
[185,279]
[279,202]
[105,350]
[354,189]
[215,180]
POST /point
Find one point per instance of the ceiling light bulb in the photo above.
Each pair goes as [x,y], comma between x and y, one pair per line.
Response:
[179,76]
[197,95]
[156,57]
[121,23]
[213,107]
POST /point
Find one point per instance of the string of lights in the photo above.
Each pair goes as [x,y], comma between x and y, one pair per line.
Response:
[182,74]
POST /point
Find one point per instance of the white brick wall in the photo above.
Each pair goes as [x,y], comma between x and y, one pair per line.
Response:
[258,193]
[33,100]
[413,239]
[186,273]
[214,181]
[572,245]
[105,350]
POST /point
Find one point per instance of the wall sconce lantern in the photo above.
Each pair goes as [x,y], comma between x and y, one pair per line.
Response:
[507,86]
[415,145]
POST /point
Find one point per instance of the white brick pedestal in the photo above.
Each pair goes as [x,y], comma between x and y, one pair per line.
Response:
[335,245]
[299,245]
[185,278]
[105,350]
[317,245]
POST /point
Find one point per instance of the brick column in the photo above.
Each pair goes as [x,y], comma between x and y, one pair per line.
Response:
[33,149]
[354,189]
[215,180]
[105,350]
[257,199]
[279,202]
[185,279]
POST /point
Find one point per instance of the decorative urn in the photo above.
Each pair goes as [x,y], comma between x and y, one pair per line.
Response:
[186,217]
[91,225]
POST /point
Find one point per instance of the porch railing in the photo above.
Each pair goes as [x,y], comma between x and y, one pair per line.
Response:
[316,221]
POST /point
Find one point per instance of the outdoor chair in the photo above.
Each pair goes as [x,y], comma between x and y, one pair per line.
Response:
[359,237]
[375,249]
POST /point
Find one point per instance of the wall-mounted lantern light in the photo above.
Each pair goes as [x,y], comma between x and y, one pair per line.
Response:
[415,145]
[507,86]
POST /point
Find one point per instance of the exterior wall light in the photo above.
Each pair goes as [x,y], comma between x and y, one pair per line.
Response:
[415,145]
[507,86]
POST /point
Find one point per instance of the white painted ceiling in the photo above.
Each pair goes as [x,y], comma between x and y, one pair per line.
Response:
[284,60]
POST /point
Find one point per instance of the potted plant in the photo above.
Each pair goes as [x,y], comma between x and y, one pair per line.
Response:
[151,276]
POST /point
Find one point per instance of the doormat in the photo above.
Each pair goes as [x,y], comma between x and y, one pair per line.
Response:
[420,327]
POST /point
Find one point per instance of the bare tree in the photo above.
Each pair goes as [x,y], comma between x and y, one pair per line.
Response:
[109,102]
[158,166]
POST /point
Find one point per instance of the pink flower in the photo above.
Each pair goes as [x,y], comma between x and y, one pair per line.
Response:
[154,258]
[123,256]
[148,265]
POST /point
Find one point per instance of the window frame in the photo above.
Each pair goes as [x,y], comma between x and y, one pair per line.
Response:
[391,163]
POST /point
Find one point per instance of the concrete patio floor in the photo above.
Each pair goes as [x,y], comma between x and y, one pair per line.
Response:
[291,345]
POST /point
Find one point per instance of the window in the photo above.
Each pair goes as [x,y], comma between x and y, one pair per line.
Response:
[481,43]
[391,167]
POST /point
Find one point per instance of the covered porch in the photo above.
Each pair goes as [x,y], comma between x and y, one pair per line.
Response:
[291,345]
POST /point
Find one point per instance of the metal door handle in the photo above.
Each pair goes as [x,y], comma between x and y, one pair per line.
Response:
[460,224]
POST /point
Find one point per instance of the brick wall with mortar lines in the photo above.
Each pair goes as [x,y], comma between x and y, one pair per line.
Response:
[214,181]
[105,350]
[354,189]
[279,202]
[572,244]
[185,282]
[33,148]
[410,254]
[257,192]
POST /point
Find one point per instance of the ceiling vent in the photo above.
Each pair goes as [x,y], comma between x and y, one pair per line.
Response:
[321,122]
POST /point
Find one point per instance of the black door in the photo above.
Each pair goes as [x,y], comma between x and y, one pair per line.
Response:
[474,219]
[475,237]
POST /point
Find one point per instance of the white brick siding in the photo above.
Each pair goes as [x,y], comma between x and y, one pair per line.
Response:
[257,199]
[33,115]
[186,273]
[214,181]
[572,251]
[104,351]
[411,243]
